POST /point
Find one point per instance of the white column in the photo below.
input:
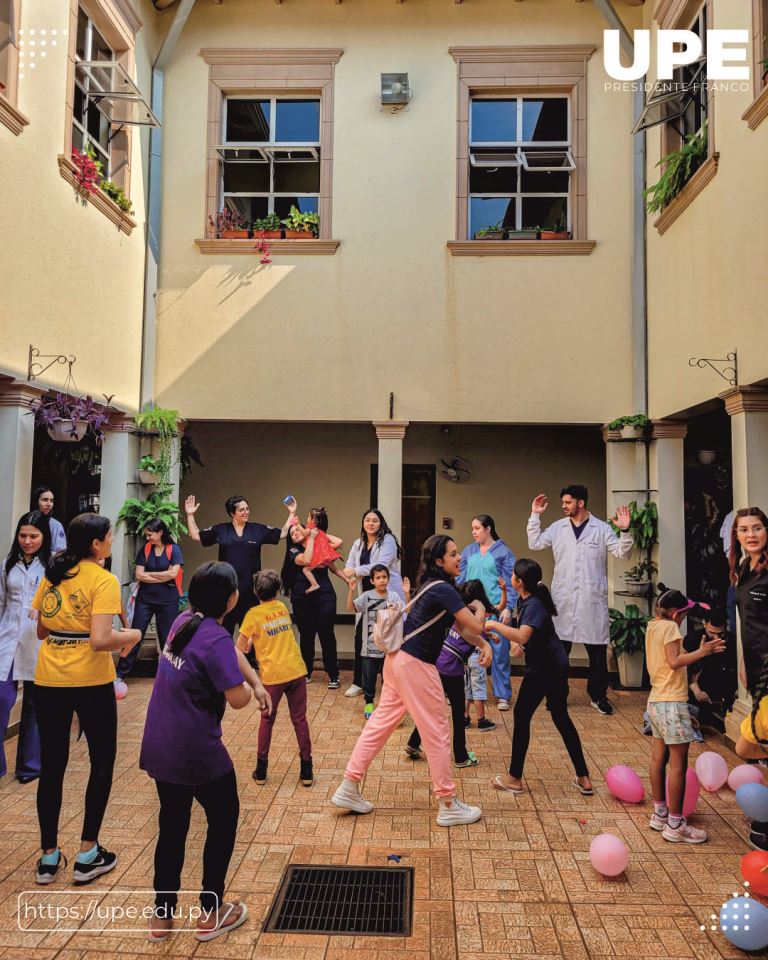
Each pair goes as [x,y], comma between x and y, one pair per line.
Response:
[748,409]
[668,481]
[390,434]
[119,460]
[17,443]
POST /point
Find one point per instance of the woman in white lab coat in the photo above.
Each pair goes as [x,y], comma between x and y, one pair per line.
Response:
[20,575]
[580,544]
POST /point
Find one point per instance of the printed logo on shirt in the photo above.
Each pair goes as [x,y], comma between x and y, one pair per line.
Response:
[175,661]
[51,602]
[80,603]
[758,594]
[276,623]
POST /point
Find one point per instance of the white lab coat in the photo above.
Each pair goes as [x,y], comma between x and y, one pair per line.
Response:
[580,581]
[18,634]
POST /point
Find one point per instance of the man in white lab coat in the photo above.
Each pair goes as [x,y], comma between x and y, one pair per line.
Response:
[580,544]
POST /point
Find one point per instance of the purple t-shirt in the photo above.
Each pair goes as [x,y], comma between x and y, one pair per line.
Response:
[182,734]
[454,655]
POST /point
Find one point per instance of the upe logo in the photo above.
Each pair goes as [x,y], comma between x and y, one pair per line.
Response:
[676,48]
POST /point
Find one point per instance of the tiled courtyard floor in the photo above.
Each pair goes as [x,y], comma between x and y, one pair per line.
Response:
[517,884]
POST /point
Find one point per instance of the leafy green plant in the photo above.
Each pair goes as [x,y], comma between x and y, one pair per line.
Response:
[677,169]
[641,572]
[117,194]
[491,228]
[270,222]
[631,420]
[159,420]
[150,464]
[627,630]
[302,222]
[135,514]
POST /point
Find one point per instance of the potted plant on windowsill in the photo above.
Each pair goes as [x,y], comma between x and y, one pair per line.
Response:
[118,195]
[267,228]
[301,226]
[555,232]
[627,632]
[677,169]
[523,234]
[150,469]
[229,225]
[67,419]
[632,426]
[493,231]
[639,579]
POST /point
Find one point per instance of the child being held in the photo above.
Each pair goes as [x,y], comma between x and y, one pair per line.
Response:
[668,711]
[475,681]
[320,547]
[267,629]
[368,605]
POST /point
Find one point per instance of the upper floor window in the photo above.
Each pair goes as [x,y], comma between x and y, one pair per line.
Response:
[7,40]
[9,66]
[92,113]
[270,155]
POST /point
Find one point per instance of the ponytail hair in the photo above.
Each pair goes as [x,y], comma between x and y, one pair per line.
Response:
[670,600]
[488,522]
[530,573]
[81,533]
[210,589]
[474,590]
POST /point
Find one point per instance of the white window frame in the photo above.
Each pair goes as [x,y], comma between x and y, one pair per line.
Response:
[104,155]
[268,149]
[517,156]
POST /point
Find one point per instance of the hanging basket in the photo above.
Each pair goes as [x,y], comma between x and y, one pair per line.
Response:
[148,479]
[68,431]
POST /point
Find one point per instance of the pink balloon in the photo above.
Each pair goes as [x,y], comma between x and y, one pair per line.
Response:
[608,855]
[624,783]
[744,773]
[712,770]
[121,689]
[691,792]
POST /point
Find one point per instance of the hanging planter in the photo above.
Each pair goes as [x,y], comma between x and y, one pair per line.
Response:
[68,418]
[68,431]
[149,471]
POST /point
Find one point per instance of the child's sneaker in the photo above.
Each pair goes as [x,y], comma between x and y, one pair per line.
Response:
[683,834]
[658,822]
[413,752]
[471,761]
[260,773]
[103,862]
[502,705]
[453,813]
[485,724]
[348,797]
[46,872]
[305,774]
[368,712]
[334,684]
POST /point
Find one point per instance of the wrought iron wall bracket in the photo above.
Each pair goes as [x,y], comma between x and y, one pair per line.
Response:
[725,367]
[35,369]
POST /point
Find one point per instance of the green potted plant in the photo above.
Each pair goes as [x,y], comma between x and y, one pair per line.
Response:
[556,232]
[118,195]
[639,579]
[531,234]
[632,426]
[229,225]
[161,425]
[677,169]
[301,226]
[494,231]
[135,514]
[150,470]
[627,632]
[267,228]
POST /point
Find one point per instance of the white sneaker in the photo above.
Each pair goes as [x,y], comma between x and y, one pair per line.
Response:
[348,798]
[353,690]
[683,834]
[453,812]
[503,705]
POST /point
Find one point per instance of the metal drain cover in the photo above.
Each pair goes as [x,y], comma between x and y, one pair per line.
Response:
[377,901]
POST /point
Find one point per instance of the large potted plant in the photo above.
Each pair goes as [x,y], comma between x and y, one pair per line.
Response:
[229,225]
[267,228]
[639,579]
[67,419]
[301,226]
[627,632]
[632,426]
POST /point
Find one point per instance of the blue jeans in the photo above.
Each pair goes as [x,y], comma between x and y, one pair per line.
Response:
[502,688]
[28,747]
[165,614]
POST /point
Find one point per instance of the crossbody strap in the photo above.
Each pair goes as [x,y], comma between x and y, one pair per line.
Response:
[429,623]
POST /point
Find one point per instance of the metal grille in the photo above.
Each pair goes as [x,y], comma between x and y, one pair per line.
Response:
[360,900]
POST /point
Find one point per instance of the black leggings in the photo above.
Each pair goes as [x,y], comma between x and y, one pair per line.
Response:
[221,804]
[454,690]
[97,712]
[534,688]
[597,678]
[315,615]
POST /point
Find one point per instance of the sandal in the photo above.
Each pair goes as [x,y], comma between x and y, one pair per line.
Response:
[585,791]
[498,785]
[158,934]
[222,926]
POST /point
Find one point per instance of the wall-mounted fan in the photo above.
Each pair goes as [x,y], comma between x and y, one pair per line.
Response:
[455,469]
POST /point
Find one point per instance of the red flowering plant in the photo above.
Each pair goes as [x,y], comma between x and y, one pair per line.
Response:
[87,171]
[227,219]
[49,411]
[262,245]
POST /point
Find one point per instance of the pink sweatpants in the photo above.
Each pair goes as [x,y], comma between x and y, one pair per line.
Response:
[410,686]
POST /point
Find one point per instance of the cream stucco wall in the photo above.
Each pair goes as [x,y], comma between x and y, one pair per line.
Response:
[71,281]
[707,278]
[392,310]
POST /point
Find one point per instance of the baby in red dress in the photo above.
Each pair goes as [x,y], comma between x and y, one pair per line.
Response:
[320,548]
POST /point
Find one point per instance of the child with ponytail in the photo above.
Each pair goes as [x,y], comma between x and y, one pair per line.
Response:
[546,677]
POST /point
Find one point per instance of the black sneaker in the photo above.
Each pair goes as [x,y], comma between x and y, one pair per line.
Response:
[603,707]
[305,774]
[260,773]
[485,724]
[467,722]
[334,684]
[103,863]
[758,839]
[46,873]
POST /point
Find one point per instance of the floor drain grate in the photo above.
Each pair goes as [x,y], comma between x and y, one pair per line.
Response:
[360,900]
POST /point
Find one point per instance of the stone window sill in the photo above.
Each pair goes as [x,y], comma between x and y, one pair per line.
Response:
[277,248]
[688,194]
[11,117]
[757,111]
[520,248]
[99,200]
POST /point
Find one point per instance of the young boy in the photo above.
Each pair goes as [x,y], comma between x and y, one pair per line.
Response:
[368,605]
[668,711]
[267,629]
[713,683]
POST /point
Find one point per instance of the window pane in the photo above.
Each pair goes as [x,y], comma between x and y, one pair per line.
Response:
[485,212]
[78,108]
[305,205]
[252,208]
[545,120]
[77,138]
[82,31]
[5,41]
[493,179]
[493,121]
[297,177]
[544,212]
[246,178]
[98,126]
[100,49]
[247,121]
[544,182]
[297,121]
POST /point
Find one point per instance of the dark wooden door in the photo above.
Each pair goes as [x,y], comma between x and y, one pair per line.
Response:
[418,510]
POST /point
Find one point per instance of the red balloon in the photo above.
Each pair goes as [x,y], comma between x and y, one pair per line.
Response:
[752,866]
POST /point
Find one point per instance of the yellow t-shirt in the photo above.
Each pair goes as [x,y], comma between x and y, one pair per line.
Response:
[268,627]
[667,685]
[66,658]
[761,725]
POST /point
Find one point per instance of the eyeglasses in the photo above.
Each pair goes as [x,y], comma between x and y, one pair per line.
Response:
[746,530]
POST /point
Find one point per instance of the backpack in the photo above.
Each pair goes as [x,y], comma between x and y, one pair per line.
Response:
[388,629]
[168,553]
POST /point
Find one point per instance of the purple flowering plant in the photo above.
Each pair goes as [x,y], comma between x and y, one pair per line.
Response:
[62,406]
